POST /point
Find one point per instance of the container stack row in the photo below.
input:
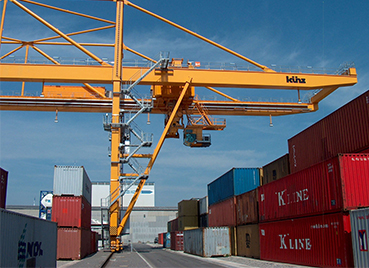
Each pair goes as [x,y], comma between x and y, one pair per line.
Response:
[308,207]
[72,211]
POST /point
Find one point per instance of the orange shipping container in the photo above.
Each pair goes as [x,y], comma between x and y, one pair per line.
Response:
[223,213]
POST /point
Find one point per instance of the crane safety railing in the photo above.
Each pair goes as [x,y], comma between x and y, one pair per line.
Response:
[187,64]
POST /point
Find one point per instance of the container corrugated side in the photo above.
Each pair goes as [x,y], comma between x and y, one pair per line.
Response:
[203,220]
[203,206]
[360,236]
[166,240]
[344,131]
[354,170]
[247,210]
[161,238]
[276,169]
[26,241]
[334,185]
[3,187]
[323,241]
[248,243]
[234,182]
[207,242]
[71,211]
[223,213]
[173,225]
[73,243]
[72,180]
[188,222]
[188,208]
[176,241]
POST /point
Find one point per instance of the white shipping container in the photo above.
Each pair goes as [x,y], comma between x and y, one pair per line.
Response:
[203,206]
[207,242]
[72,180]
[26,241]
[360,236]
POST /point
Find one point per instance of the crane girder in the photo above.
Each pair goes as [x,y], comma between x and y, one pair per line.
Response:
[177,77]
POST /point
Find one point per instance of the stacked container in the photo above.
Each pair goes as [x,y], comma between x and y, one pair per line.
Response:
[176,240]
[360,236]
[203,211]
[344,131]
[3,187]
[188,214]
[72,211]
[276,169]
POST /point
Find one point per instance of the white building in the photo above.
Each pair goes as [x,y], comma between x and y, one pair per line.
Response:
[101,190]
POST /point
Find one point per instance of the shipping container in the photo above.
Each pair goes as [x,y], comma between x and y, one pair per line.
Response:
[173,225]
[360,236]
[161,238]
[72,180]
[203,220]
[176,241]
[71,211]
[323,241]
[188,207]
[94,242]
[3,187]
[223,213]
[234,182]
[26,241]
[248,244]
[340,183]
[344,131]
[188,222]
[207,242]
[203,206]
[275,170]
[73,243]
[166,240]
[247,210]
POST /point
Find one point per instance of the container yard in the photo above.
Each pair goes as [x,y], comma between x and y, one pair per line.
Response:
[287,186]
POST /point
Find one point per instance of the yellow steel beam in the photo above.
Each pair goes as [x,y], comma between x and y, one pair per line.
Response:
[153,158]
[203,78]
[264,68]
[58,32]
[9,53]
[2,21]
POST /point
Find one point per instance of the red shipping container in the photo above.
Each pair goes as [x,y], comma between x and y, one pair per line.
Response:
[176,241]
[94,242]
[174,225]
[223,213]
[340,183]
[323,241]
[73,243]
[3,187]
[344,131]
[247,208]
[71,211]
[161,238]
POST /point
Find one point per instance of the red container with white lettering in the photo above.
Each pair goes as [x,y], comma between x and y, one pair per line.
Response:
[176,240]
[338,184]
[323,241]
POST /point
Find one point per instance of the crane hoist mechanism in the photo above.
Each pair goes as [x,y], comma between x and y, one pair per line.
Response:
[172,92]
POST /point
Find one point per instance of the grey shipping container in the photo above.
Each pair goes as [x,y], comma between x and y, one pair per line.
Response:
[277,169]
[234,182]
[207,242]
[203,206]
[26,241]
[360,236]
[72,180]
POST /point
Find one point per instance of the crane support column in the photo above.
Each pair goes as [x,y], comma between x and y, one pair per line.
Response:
[153,158]
[115,129]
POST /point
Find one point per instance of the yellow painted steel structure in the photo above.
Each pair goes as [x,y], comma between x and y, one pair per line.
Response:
[175,84]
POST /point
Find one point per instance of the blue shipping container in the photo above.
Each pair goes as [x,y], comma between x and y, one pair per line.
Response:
[166,242]
[234,182]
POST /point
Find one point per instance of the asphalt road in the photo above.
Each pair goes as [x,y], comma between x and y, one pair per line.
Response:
[146,256]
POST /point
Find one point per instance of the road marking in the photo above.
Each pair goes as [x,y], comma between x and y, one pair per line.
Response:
[143,258]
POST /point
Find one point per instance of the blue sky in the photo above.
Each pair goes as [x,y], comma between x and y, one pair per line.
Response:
[321,34]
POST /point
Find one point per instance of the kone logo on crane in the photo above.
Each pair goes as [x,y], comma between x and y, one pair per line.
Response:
[295,79]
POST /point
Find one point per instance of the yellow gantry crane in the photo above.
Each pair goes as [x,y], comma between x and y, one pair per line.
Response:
[172,83]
